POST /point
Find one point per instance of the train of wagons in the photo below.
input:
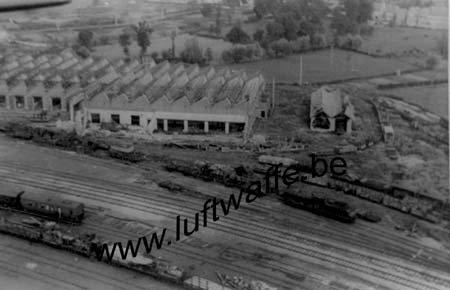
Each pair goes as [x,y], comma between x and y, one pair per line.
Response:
[41,204]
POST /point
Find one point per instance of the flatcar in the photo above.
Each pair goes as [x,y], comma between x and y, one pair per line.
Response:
[330,208]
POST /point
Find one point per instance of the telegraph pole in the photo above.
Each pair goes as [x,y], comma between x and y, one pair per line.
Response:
[332,55]
[273,95]
[300,81]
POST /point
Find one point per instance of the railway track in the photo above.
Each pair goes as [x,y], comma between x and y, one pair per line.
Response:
[65,266]
[44,278]
[193,254]
[357,236]
[360,232]
[295,247]
[292,269]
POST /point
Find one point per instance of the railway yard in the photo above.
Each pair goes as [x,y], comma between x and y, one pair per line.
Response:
[264,241]
[118,189]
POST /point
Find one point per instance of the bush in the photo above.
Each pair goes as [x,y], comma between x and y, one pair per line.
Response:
[81,51]
[281,47]
[431,62]
[319,40]
[243,53]
[348,41]
[155,56]
[302,44]
[104,40]
[207,10]
[237,35]
[192,52]
[367,30]
[166,54]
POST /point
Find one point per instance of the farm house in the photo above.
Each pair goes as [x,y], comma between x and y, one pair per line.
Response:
[331,111]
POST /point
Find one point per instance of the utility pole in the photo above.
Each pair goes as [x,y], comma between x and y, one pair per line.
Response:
[273,94]
[173,36]
[332,56]
[300,81]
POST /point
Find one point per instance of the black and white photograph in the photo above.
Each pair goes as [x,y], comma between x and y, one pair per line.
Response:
[224,145]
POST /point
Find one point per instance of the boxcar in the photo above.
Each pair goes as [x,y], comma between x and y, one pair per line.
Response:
[57,208]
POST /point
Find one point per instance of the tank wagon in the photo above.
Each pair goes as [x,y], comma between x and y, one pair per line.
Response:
[50,206]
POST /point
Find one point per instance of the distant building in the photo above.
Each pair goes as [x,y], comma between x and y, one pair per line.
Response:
[331,111]
[165,97]
[433,17]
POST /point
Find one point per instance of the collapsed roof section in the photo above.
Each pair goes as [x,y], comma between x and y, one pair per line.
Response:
[331,102]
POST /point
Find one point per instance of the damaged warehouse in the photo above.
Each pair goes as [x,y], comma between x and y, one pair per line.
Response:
[160,97]
[175,98]
[331,111]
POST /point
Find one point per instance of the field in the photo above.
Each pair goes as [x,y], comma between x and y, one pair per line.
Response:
[115,51]
[433,98]
[319,66]
[398,39]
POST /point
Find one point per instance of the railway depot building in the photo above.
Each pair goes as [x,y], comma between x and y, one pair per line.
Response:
[160,97]
[331,111]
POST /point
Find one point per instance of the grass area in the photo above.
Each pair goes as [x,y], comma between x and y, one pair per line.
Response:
[432,98]
[115,51]
[400,39]
[319,66]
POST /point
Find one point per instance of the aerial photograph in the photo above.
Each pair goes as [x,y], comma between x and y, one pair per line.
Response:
[224,145]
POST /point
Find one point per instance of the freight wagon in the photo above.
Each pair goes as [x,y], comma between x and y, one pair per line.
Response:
[41,204]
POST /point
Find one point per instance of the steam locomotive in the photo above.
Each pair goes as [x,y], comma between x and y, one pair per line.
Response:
[327,207]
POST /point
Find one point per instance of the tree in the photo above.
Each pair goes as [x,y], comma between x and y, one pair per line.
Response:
[81,51]
[207,10]
[264,7]
[125,42]
[192,52]
[209,55]
[166,54]
[173,36]
[432,62]
[237,35]
[359,11]
[274,31]
[143,32]
[290,25]
[342,24]
[218,28]
[155,56]
[442,44]
[258,36]
[319,40]
[85,38]
[281,47]
[104,40]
